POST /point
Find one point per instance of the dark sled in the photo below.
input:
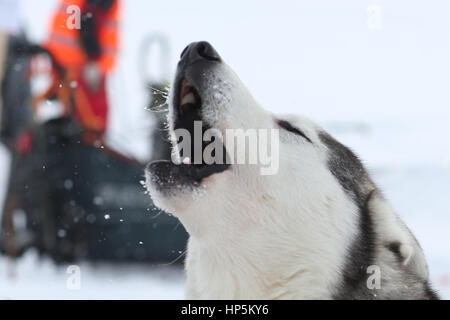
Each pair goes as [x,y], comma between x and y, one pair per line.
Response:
[87,202]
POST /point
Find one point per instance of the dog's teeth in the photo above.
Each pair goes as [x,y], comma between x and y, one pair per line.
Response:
[186,161]
[189,98]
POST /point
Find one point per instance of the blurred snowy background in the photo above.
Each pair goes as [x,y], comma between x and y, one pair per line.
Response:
[374,73]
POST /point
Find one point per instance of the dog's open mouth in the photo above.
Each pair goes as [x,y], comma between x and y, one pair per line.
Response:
[189,99]
[188,120]
[188,116]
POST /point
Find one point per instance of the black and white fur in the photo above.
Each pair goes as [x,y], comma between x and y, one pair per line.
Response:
[308,232]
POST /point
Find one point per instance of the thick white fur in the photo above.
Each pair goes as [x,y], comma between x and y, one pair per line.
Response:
[284,236]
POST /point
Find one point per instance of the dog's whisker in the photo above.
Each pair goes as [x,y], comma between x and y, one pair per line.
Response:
[176,259]
[164,107]
[157,214]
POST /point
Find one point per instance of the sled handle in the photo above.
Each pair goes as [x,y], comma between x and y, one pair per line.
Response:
[145,52]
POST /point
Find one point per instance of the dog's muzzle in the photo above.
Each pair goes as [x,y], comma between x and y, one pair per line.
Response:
[197,60]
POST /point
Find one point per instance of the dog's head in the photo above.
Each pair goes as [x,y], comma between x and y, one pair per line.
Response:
[229,195]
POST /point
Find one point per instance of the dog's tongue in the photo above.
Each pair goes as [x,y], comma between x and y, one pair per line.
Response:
[185,88]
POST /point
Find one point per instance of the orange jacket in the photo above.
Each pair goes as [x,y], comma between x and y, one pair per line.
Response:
[65,45]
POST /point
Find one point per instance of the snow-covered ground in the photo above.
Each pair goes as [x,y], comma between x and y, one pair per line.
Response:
[374,73]
[35,278]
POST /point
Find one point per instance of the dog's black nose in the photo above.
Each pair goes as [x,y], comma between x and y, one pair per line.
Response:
[200,51]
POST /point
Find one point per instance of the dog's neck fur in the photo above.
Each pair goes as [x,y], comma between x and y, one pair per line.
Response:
[239,269]
[252,254]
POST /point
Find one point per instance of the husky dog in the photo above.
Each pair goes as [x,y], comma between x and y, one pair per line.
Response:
[317,229]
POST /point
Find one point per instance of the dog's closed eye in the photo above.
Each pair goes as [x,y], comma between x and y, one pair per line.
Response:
[289,127]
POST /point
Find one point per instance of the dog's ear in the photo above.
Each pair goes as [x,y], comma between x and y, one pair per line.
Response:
[395,240]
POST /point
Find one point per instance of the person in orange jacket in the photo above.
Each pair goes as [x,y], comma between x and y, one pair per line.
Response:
[87,51]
